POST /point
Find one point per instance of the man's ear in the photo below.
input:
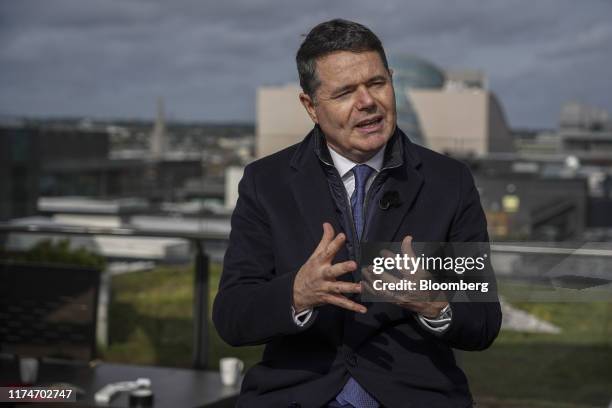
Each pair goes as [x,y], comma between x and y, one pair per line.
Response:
[391,72]
[308,104]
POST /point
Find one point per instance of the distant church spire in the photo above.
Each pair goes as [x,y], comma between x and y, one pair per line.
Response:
[159,143]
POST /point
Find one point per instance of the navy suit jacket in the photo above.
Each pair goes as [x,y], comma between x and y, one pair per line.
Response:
[283,201]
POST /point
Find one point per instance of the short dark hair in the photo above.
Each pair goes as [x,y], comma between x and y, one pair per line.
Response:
[328,37]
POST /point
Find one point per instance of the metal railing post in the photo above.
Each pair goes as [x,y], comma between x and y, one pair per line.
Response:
[200,307]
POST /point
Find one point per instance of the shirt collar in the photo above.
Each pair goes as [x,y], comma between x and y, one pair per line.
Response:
[393,155]
[344,165]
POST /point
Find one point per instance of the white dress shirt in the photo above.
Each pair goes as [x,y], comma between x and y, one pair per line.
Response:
[344,167]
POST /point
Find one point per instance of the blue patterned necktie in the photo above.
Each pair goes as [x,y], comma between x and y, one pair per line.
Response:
[362,173]
[353,393]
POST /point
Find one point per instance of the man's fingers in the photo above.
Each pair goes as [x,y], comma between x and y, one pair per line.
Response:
[334,246]
[367,272]
[328,235]
[385,253]
[407,246]
[340,269]
[339,287]
[368,276]
[396,269]
[341,301]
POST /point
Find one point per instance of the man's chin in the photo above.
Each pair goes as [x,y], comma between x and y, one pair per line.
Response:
[374,140]
[368,148]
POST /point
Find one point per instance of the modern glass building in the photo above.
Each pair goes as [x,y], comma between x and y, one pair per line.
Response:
[412,72]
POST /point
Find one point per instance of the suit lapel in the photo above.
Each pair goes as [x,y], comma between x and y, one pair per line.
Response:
[311,192]
[384,224]
[313,198]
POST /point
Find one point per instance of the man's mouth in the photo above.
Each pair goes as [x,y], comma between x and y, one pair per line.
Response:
[370,123]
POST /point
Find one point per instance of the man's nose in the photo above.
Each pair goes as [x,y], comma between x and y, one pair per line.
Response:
[364,98]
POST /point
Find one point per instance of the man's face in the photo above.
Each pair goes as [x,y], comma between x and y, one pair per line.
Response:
[354,104]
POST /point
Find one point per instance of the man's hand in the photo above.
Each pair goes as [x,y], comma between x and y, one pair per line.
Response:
[315,283]
[410,300]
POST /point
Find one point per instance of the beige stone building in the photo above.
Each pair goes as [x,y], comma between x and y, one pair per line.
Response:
[461,120]
[281,118]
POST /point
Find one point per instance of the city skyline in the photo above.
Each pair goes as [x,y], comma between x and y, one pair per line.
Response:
[113,60]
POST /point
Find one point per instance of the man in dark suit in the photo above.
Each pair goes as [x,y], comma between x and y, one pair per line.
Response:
[354,178]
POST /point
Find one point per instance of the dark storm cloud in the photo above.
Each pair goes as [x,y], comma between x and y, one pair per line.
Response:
[113,58]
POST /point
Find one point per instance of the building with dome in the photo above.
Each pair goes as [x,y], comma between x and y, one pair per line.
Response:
[411,72]
[448,111]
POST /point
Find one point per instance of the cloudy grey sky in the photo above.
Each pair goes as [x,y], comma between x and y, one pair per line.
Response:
[113,58]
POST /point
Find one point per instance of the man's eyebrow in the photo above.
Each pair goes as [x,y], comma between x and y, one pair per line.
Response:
[349,87]
[343,88]
[377,78]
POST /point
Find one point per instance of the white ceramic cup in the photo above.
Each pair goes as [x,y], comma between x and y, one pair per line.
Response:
[28,370]
[230,369]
